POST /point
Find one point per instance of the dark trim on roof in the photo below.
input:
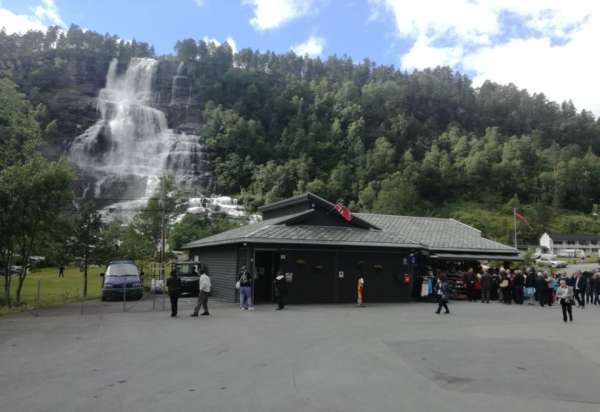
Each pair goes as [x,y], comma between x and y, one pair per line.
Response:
[487,256]
[562,237]
[258,240]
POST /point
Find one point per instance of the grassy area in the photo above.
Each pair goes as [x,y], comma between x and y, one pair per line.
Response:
[58,291]
[54,290]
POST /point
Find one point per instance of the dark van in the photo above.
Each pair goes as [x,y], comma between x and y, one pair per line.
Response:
[121,279]
[189,273]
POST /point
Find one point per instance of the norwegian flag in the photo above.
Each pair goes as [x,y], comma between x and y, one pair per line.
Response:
[343,211]
[521,218]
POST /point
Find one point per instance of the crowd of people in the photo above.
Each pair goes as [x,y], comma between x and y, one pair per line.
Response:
[510,286]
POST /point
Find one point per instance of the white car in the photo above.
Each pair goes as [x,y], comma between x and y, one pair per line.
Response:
[553,263]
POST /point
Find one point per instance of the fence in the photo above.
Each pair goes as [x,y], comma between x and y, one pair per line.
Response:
[45,288]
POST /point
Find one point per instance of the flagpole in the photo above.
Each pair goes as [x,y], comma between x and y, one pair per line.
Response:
[515,225]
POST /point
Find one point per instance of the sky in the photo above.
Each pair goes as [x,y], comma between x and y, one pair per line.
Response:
[544,46]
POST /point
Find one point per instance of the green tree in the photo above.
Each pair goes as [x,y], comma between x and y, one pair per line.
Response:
[32,195]
[86,237]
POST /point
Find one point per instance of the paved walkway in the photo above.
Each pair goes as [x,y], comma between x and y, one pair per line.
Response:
[307,358]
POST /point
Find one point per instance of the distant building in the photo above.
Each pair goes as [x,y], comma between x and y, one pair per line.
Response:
[569,244]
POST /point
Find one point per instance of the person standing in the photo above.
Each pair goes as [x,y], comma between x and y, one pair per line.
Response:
[518,284]
[61,271]
[552,284]
[486,286]
[580,290]
[174,287]
[360,287]
[589,289]
[469,279]
[280,290]
[597,289]
[541,287]
[530,286]
[565,295]
[245,285]
[505,287]
[442,292]
[205,287]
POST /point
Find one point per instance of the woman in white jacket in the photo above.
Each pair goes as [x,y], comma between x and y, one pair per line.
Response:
[566,296]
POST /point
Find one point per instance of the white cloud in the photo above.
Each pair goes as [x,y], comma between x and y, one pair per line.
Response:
[270,14]
[313,47]
[228,40]
[47,11]
[43,15]
[547,46]
[423,54]
[199,3]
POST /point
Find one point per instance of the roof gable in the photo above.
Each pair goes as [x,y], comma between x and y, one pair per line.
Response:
[310,201]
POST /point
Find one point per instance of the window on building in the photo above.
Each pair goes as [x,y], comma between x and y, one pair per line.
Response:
[594,242]
[570,242]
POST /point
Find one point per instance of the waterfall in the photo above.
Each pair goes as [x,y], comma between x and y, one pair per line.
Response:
[130,147]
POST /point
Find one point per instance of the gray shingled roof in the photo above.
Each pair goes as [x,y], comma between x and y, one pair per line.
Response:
[397,231]
[436,233]
[275,231]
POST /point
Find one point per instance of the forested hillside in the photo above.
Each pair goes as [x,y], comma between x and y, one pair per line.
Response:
[383,140]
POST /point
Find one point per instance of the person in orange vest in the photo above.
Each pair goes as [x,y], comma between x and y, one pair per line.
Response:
[359,289]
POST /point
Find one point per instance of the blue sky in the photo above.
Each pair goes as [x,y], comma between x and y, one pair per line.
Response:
[343,25]
[545,46]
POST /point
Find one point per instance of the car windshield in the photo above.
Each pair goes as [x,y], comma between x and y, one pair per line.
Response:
[185,269]
[122,269]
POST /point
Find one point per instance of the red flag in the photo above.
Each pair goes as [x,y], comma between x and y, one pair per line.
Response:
[343,211]
[521,218]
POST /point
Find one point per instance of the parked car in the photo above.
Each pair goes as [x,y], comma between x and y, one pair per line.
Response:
[551,261]
[189,274]
[121,279]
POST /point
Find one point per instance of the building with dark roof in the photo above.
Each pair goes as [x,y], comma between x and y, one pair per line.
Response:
[322,253]
[575,245]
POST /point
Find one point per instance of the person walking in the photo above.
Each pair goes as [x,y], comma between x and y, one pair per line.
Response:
[360,287]
[486,286]
[174,288]
[205,287]
[580,290]
[565,295]
[280,290]
[61,271]
[442,292]
[245,280]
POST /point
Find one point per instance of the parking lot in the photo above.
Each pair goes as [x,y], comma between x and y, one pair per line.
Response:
[396,357]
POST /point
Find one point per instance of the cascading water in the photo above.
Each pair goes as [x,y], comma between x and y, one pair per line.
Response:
[127,151]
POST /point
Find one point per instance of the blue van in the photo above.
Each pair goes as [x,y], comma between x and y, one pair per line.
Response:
[121,279]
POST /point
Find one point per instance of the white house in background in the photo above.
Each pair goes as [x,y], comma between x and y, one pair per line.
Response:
[570,245]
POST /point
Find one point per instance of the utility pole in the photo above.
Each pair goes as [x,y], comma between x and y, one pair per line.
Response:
[163,230]
[515,225]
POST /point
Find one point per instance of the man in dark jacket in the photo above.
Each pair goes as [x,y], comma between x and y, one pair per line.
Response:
[280,290]
[518,283]
[486,286]
[469,279]
[174,286]
[541,287]
[580,285]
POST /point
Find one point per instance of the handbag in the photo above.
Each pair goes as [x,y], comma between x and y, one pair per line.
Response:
[504,283]
[237,284]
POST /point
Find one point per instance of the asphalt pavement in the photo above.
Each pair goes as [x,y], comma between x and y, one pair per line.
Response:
[384,357]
